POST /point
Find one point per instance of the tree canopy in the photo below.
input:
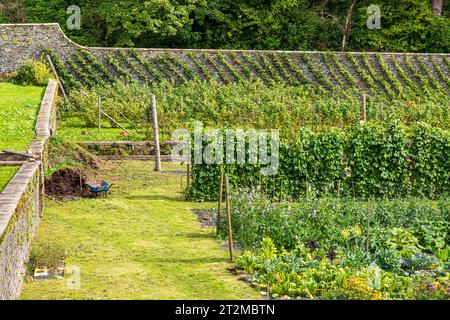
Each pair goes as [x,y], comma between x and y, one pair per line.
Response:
[406,25]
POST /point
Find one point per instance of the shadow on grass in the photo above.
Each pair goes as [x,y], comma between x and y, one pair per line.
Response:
[210,235]
[189,261]
[156,197]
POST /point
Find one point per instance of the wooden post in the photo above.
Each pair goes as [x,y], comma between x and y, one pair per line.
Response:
[369,209]
[230,232]
[281,189]
[188,175]
[81,182]
[99,113]
[363,109]
[339,189]
[114,121]
[156,135]
[219,206]
[56,75]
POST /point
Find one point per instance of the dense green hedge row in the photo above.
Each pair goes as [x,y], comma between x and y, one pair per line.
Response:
[367,160]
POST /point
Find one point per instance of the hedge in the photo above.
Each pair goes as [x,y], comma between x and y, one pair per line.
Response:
[367,160]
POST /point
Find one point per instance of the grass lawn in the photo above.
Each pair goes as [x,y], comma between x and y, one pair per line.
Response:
[6,174]
[19,107]
[141,243]
[74,129]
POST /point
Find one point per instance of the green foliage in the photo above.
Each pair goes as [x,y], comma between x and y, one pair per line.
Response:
[120,229]
[251,104]
[308,273]
[430,167]
[365,160]
[378,158]
[32,72]
[68,80]
[326,249]
[407,226]
[407,25]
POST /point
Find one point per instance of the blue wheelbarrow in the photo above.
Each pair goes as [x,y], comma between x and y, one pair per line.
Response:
[98,188]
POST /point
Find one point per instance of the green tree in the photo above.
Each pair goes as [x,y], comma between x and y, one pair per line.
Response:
[406,26]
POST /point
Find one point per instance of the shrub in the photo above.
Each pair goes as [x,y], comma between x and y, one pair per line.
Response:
[32,72]
[48,254]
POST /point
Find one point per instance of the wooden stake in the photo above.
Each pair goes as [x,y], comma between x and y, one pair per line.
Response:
[156,135]
[188,175]
[99,113]
[363,109]
[339,189]
[230,232]
[115,122]
[219,206]
[81,182]
[56,75]
[369,209]
[281,189]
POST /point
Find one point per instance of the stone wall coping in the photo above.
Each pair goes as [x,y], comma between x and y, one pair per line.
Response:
[21,25]
[13,192]
[42,126]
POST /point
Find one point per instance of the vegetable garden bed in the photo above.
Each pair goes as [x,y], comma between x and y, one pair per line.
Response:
[342,249]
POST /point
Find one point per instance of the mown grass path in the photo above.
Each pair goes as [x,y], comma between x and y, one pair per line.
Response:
[141,243]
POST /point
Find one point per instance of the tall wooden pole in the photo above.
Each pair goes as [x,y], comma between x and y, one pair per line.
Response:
[437,7]
[156,135]
[364,109]
[369,210]
[188,175]
[219,206]
[56,75]
[230,231]
[99,113]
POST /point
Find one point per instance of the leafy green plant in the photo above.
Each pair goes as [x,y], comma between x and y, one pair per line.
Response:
[67,78]
[347,75]
[367,160]
[149,67]
[32,72]
[223,59]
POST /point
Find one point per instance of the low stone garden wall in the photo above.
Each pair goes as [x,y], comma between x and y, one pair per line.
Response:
[22,202]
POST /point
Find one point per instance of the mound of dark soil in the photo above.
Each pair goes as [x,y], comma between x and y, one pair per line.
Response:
[65,183]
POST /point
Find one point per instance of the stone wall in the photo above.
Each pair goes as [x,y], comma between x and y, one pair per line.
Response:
[19,217]
[22,202]
[21,41]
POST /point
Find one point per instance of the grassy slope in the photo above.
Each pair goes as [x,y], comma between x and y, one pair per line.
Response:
[19,107]
[141,243]
[6,173]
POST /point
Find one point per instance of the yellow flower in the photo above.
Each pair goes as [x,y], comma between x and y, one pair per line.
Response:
[345,234]
[356,231]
